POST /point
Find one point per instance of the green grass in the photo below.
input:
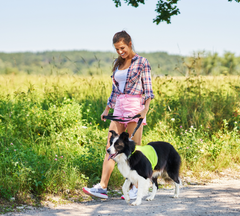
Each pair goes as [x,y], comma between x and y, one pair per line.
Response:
[53,141]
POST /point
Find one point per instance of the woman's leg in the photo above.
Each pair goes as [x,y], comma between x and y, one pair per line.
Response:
[108,165]
[138,135]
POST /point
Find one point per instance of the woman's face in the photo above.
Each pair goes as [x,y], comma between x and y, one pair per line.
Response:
[123,49]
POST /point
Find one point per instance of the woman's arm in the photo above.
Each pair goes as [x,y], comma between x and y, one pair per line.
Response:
[147,81]
[105,113]
[143,113]
[147,88]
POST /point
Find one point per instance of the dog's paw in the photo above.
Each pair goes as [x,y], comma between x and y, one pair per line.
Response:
[127,200]
[175,196]
[149,198]
[136,203]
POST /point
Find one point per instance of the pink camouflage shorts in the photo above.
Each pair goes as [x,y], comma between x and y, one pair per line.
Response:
[129,105]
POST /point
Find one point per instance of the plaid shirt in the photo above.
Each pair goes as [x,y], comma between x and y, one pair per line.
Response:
[138,81]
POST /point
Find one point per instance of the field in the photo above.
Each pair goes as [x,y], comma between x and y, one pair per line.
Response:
[53,141]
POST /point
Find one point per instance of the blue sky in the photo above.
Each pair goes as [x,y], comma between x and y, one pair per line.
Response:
[46,25]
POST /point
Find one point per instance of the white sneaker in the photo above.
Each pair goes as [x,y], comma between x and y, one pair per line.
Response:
[132,193]
[96,191]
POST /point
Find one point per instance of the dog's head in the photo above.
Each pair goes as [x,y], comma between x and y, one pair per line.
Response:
[120,145]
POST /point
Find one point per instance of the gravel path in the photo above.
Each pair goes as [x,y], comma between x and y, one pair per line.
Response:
[217,198]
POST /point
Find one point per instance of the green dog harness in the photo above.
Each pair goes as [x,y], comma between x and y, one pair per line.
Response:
[149,152]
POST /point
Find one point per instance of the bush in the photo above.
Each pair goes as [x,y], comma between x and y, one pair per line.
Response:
[52,139]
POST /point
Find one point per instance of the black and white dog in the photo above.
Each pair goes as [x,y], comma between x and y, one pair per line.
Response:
[137,168]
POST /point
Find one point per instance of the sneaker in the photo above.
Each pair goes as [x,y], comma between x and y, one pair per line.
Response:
[96,191]
[132,193]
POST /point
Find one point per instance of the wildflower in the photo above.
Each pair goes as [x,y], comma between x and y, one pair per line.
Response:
[191,126]
[38,134]
[172,119]
[181,126]
[201,150]
[84,127]
[55,155]
[235,122]
[61,156]
[55,159]
[11,144]
[14,149]
[201,140]
[64,172]
[187,147]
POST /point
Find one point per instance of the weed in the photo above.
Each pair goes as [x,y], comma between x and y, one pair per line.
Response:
[52,140]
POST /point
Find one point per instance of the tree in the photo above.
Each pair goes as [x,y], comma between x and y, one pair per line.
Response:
[209,63]
[164,8]
[229,63]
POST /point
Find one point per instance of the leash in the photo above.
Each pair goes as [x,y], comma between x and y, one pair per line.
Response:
[116,118]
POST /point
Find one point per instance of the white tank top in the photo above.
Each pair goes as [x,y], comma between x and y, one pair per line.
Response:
[121,77]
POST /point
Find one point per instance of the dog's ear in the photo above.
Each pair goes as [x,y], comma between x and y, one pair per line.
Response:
[124,136]
[114,134]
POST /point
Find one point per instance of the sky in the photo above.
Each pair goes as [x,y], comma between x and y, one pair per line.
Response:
[62,25]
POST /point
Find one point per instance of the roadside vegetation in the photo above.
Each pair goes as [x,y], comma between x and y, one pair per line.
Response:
[52,140]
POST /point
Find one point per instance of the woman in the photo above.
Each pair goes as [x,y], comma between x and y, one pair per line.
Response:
[131,95]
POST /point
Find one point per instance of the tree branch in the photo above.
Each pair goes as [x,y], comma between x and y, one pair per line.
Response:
[164,8]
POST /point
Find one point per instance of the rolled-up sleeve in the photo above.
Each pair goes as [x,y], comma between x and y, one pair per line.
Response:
[147,81]
[112,99]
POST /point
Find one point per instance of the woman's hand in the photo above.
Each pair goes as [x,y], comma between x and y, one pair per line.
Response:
[105,113]
[143,113]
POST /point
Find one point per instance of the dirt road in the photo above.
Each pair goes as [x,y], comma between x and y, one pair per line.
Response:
[217,198]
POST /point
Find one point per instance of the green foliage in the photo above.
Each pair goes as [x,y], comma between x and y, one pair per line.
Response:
[52,139]
[164,8]
[210,62]
[235,1]
[100,63]
[202,63]
[77,62]
[229,63]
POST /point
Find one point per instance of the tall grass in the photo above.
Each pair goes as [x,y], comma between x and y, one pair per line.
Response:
[52,139]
